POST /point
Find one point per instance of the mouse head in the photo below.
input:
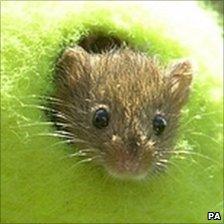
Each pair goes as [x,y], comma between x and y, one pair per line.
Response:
[122,107]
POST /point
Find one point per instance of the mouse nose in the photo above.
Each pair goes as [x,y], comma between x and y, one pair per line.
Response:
[133,144]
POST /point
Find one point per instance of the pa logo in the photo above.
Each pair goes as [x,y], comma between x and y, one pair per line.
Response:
[214,216]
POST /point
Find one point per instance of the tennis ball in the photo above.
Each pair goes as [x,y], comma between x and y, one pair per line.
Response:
[39,183]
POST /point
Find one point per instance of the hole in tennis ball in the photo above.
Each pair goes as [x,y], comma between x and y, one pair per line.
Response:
[99,43]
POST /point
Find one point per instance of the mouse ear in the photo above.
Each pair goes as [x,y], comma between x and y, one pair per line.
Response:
[73,65]
[180,78]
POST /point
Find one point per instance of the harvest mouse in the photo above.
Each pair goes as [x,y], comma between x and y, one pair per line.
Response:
[120,108]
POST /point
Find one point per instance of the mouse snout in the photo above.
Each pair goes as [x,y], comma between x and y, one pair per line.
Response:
[133,144]
[128,157]
[130,145]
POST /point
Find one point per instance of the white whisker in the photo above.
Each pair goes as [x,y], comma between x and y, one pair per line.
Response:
[79,153]
[53,135]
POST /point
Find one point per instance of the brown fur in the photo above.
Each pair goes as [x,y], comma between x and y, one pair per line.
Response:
[134,89]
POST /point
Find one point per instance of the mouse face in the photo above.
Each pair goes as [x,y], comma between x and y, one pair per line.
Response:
[121,107]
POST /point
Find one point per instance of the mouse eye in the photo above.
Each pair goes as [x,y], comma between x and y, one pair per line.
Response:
[159,124]
[101,118]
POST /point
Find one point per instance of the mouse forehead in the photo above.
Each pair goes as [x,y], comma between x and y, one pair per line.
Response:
[128,79]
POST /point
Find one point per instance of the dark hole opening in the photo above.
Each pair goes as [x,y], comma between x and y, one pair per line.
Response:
[99,43]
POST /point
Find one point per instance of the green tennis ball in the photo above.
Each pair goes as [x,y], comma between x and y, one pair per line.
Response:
[39,183]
